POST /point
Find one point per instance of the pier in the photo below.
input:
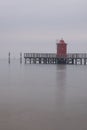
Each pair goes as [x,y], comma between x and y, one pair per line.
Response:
[60,57]
[52,58]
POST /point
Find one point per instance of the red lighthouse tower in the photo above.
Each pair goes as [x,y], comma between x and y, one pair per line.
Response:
[61,49]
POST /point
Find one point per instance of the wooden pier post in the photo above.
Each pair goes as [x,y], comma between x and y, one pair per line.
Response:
[9,60]
[72,61]
[75,61]
[84,61]
[20,58]
[81,61]
[25,60]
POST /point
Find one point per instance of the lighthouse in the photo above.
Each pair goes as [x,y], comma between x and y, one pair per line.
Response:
[61,49]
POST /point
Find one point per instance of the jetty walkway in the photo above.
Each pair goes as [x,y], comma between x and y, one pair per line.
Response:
[52,58]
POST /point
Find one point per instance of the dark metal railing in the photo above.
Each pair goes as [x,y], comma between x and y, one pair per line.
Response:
[54,55]
[44,55]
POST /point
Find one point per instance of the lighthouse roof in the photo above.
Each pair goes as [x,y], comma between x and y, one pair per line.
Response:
[62,41]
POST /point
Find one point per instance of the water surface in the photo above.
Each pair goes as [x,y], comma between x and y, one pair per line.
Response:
[43,97]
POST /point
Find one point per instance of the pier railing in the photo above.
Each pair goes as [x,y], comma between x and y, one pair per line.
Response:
[38,55]
[53,55]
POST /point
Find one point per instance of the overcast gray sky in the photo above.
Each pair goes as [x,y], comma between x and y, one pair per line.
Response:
[34,25]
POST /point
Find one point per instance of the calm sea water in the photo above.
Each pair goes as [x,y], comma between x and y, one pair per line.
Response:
[43,97]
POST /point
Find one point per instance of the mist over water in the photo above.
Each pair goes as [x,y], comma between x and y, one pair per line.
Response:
[43,97]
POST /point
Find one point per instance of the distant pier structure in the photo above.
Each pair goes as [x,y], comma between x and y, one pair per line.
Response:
[60,57]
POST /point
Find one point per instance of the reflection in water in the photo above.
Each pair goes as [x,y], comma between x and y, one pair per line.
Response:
[61,89]
[61,75]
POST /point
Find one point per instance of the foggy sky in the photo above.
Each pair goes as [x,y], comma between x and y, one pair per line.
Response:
[34,25]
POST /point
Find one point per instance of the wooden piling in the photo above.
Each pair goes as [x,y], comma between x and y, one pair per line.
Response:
[20,58]
[9,60]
